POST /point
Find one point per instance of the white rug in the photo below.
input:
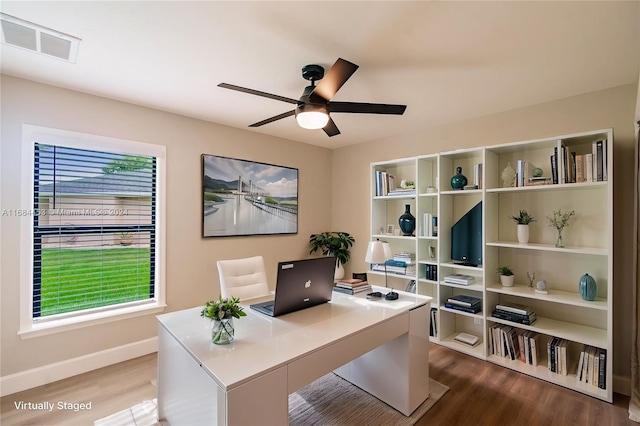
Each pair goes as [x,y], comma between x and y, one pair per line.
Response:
[330,400]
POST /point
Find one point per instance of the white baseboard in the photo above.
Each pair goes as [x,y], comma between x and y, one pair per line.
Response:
[39,376]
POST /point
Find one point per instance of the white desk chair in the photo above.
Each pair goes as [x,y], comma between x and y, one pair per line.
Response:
[243,278]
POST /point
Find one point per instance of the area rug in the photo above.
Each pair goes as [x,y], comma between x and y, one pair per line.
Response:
[331,400]
[328,401]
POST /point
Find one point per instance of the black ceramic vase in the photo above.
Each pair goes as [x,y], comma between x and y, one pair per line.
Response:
[407,221]
[458,181]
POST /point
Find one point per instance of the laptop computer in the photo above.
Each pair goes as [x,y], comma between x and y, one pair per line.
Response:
[300,284]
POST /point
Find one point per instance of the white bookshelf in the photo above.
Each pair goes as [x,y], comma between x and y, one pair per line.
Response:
[561,312]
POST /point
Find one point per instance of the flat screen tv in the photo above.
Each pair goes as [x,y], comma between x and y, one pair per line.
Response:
[466,238]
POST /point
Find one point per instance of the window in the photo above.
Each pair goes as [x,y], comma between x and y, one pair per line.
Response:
[95,239]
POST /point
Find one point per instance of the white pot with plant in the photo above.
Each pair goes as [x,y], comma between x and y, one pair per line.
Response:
[337,244]
[506,276]
[523,219]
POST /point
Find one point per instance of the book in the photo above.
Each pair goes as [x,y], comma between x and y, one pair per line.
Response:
[554,165]
[351,290]
[465,300]
[459,279]
[507,316]
[516,308]
[470,310]
[466,338]
[602,359]
[350,281]
[580,173]
[599,163]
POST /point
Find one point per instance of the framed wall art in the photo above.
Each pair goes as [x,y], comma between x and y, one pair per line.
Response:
[241,197]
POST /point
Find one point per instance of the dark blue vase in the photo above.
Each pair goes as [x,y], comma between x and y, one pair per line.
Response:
[459,180]
[407,222]
[587,287]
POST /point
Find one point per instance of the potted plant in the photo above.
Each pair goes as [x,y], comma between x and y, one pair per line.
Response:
[523,219]
[336,244]
[506,276]
[221,312]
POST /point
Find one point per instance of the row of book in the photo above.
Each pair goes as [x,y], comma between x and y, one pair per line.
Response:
[464,303]
[592,366]
[430,272]
[429,225]
[503,341]
[570,167]
[386,185]
[352,286]
[529,342]
[515,312]
[433,324]
[557,355]
[459,279]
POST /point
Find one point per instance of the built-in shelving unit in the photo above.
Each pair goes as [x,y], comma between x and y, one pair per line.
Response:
[561,313]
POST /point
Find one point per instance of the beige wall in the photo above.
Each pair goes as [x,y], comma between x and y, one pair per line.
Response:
[329,201]
[609,108]
[191,275]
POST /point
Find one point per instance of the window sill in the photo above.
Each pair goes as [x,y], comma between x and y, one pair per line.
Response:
[57,326]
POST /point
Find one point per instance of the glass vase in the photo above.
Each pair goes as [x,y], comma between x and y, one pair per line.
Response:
[560,241]
[222,332]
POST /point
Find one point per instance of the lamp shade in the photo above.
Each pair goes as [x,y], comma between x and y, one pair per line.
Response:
[312,116]
[378,252]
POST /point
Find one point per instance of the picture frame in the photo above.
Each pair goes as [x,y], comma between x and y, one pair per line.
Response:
[243,197]
[390,229]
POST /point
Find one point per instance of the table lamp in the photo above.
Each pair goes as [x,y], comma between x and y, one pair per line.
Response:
[379,252]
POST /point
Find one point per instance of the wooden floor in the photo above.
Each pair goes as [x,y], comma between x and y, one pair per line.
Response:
[480,393]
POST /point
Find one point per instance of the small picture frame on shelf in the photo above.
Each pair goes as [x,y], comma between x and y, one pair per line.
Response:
[391,229]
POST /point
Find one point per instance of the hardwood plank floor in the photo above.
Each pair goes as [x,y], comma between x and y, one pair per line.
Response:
[480,393]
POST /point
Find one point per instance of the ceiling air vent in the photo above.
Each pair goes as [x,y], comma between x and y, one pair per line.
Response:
[27,35]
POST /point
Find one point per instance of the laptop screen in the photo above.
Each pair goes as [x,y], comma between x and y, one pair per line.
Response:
[302,284]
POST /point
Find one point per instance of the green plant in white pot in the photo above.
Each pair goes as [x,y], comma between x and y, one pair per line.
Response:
[336,244]
[523,219]
[506,276]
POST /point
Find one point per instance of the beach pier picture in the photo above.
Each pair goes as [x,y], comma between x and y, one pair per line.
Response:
[243,197]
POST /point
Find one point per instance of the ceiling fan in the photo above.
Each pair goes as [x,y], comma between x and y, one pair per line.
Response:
[314,106]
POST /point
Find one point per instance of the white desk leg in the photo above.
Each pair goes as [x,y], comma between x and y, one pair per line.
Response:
[263,401]
[187,395]
[398,371]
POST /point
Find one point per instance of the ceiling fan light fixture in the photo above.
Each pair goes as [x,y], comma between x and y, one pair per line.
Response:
[311,116]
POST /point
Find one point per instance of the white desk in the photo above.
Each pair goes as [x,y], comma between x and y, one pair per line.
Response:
[381,346]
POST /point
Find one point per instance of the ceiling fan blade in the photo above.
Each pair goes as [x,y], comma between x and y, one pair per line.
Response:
[365,108]
[331,129]
[274,118]
[333,79]
[257,93]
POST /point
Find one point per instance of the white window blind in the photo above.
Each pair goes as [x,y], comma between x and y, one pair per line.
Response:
[94,230]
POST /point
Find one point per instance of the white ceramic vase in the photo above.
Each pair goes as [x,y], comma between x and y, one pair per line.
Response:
[507,280]
[523,234]
[339,274]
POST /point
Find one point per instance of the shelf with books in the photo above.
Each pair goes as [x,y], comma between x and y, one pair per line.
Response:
[556,296]
[563,329]
[550,187]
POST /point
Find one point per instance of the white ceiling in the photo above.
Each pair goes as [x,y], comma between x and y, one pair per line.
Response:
[447,61]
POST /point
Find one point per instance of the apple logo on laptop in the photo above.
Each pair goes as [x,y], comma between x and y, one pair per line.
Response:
[307,284]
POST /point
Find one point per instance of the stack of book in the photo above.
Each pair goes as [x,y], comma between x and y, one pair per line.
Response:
[515,312]
[464,303]
[352,286]
[557,355]
[459,279]
[393,266]
[592,367]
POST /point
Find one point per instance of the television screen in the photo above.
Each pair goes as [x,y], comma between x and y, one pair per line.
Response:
[466,238]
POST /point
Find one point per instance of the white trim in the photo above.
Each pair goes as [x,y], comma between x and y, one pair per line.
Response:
[31,134]
[50,373]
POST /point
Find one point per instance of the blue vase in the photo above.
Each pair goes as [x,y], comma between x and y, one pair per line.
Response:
[459,180]
[587,287]
[407,222]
